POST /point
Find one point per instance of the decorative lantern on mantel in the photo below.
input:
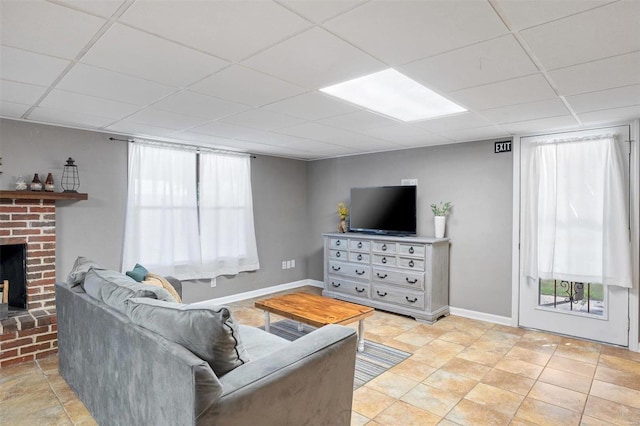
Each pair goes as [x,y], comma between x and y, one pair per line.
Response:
[70,179]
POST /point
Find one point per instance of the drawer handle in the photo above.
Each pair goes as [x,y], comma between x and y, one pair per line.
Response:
[360,272]
[360,244]
[335,285]
[381,294]
[411,281]
[411,263]
[415,299]
[410,250]
[359,257]
[384,247]
[381,276]
[335,268]
[338,242]
[359,290]
[384,260]
[337,254]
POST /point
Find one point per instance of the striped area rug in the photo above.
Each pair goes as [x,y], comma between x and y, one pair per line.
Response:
[375,360]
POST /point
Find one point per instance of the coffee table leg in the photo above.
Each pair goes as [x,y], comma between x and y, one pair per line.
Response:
[361,335]
[300,327]
[267,322]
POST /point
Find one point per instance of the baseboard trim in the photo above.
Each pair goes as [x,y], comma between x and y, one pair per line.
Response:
[482,316]
[264,291]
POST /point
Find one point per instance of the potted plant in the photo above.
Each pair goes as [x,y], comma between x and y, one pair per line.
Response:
[343,212]
[440,212]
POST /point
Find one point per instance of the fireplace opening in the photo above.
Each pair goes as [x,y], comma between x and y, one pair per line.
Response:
[13,268]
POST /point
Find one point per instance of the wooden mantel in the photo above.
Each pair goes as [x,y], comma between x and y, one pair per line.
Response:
[42,195]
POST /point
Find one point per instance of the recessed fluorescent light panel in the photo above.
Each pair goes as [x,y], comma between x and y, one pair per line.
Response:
[394,94]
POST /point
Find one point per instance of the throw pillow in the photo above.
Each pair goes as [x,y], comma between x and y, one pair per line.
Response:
[159,281]
[209,331]
[81,266]
[138,273]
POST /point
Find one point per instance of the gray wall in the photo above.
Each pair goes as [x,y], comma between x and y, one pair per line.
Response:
[477,182]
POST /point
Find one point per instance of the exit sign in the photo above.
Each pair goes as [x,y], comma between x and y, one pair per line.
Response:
[502,147]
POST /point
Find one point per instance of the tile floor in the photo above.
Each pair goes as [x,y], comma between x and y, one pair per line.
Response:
[462,372]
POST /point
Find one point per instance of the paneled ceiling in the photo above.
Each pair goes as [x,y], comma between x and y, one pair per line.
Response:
[244,75]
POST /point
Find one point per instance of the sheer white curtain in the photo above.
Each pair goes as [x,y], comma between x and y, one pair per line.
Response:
[227,234]
[161,230]
[575,212]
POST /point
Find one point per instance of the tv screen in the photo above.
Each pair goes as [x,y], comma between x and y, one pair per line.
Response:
[383,210]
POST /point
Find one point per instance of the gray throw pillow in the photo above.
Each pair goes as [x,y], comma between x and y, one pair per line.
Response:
[81,266]
[114,288]
[209,331]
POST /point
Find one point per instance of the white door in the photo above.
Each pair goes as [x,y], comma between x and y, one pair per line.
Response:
[585,310]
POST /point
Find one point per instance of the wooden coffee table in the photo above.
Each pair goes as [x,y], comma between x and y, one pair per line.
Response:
[316,311]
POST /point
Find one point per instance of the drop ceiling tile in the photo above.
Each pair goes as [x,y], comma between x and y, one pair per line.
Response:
[227,130]
[276,139]
[169,120]
[139,130]
[494,60]
[312,131]
[314,59]
[479,133]
[400,32]
[199,105]
[240,84]
[12,109]
[400,133]
[104,8]
[47,28]
[200,138]
[21,93]
[464,120]
[542,125]
[610,115]
[428,140]
[27,67]
[320,10]
[76,119]
[509,92]
[317,147]
[228,29]
[529,111]
[312,106]
[133,52]
[605,99]
[623,70]
[111,85]
[527,13]
[84,104]
[599,33]
[360,141]
[357,121]
[262,119]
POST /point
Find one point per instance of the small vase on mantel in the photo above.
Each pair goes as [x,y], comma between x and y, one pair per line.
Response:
[440,222]
[342,226]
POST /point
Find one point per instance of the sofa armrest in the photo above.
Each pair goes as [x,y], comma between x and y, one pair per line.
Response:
[307,382]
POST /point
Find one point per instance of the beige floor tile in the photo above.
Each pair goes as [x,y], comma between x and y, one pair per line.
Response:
[615,393]
[450,382]
[621,378]
[566,380]
[392,384]
[404,414]
[495,345]
[508,381]
[577,354]
[413,369]
[432,399]
[519,332]
[48,365]
[523,368]
[414,337]
[521,422]
[556,395]
[53,415]
[471,413]
[620,364]
[538,336]
[358,419]
[592,421]
[495,399]
[437,353]
[620,353]
[15,387]
[461,337]
[370,402]
[576,367]
[387,331]
[610,411]
[401,345]
[581,344]
[541,413]
[544,347]
[466,368]
[496,334]
[76,410]
[29,367]
[486,358]
[528,355]
[446,422]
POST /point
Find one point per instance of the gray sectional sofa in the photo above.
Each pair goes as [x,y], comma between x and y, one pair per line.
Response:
[128,374]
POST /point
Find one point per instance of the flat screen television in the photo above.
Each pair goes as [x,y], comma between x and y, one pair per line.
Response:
[386,210]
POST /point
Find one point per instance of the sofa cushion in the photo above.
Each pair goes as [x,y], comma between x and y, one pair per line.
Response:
[114,288]
[207,330]
[259,343]
[138,273]
[81,266]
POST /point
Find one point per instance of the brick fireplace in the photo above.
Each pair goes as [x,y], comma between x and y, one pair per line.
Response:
[29,218]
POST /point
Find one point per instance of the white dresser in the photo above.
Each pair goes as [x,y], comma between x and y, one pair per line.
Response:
[406,275]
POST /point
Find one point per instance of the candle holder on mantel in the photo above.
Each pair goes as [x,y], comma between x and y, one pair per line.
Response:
[70,179]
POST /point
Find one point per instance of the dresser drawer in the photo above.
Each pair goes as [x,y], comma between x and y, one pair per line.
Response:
[406,262]
[383,247]
[349,287]
[398,297]
[338,254]
[350,270]
[381,259]
[359,257]
[398,277]
[359,245]
[417,250]
[339,243]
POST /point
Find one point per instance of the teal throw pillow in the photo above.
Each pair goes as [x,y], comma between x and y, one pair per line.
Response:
[138,273]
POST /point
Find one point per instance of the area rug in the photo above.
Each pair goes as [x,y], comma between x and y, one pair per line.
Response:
[375,360]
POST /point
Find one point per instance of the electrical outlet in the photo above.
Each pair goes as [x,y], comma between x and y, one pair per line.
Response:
[284,264]
[293,263]
[409,182]
[213,282]
[288,264]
